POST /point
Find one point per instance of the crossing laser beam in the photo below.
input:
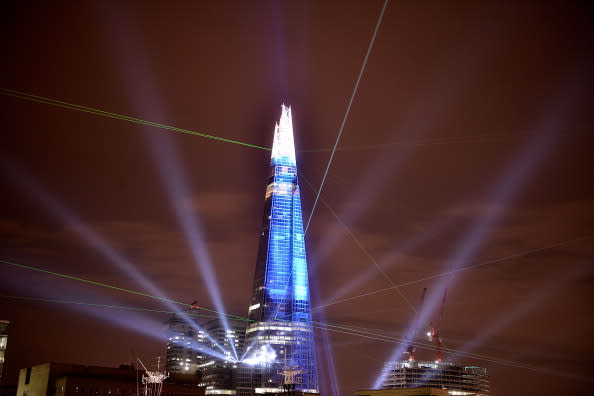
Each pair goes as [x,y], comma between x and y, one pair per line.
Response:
[85,109]
[371,334]
[359,244]
[442,274]
[142,90]
[111,306]
[503,192]
[108,286]
[397,340]
[346,114]
[94,239]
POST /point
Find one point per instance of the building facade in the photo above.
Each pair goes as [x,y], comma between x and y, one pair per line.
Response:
[183,340]
[456,378]
[280,333]
[424,391]
[188,339]
[3,342]
[58,379]
[219,376]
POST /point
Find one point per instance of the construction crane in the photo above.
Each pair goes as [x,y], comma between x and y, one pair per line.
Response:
[410,349]
[433,333]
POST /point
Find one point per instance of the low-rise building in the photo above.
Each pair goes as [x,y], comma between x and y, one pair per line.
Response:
[424,391]
[58,379]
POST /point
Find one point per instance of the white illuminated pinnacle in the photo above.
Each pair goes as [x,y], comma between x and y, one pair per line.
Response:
[283,147]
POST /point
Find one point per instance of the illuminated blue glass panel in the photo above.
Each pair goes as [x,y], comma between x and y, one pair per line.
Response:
[280,309]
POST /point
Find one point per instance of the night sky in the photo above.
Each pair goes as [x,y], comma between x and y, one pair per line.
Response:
[468,142]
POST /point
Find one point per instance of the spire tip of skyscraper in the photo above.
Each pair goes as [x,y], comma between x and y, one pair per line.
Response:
[283,147]
[280,331]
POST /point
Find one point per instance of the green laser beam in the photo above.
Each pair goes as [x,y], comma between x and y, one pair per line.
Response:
[465,268]
[503,362]
[358,243]
[72,106]
[122,289]
[352,331]
[320,325]
[49,300]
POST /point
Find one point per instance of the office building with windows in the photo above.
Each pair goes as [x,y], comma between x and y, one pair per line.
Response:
[455,378]
[183,354]
[188,341]
[280,335]
[219,376]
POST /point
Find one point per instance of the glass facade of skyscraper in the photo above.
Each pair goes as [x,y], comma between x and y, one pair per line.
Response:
[280,335]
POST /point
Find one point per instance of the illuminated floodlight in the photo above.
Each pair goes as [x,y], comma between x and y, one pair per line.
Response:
[198,347]
[145,98]
[174,180]
[388,259]
[520,311]
[330,377]
[426,112]
[503,193]
[262,356]
[96,241]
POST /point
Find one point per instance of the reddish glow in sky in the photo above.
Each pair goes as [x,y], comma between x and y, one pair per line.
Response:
[453,93]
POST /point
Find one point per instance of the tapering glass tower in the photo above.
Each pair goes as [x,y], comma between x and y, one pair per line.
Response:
[280,334]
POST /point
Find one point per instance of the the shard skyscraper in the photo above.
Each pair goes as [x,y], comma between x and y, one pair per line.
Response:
[279,336]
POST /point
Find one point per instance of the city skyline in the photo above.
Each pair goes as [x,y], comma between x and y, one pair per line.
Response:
[464,163]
